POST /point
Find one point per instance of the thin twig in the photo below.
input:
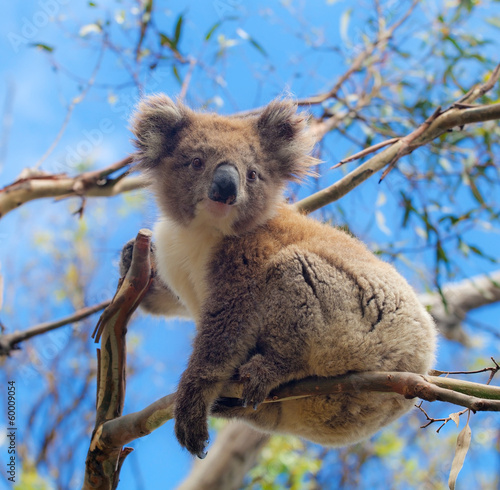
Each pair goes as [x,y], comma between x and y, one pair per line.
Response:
[187,79]
[406,142]
[492,370]
[11,341]
[71,108]
[479,90]
[366,151]
[445,420]
[358,63]
[145,21]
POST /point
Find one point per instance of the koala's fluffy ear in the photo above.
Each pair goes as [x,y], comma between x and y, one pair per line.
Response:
[283,134]
[156,124]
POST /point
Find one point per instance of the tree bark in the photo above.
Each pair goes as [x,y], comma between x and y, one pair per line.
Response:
[461,297]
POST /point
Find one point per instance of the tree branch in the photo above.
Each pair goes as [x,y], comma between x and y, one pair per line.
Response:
[476,396]
[10,341]
[456,116]
[91,184]
[461,297]
[102,466]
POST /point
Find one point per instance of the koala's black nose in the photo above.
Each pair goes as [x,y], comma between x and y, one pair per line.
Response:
[225,184]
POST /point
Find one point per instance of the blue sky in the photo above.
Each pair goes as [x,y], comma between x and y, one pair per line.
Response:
[38,96]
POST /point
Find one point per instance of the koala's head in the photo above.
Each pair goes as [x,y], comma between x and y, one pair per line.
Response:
[224,172]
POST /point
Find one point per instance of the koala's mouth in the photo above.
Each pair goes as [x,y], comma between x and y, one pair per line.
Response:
[218,209]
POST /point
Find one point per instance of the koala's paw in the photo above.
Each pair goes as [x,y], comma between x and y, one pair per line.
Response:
[191,427]
[126,256]
[254,374]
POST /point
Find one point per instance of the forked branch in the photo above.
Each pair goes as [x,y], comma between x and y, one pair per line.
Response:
[103,464]
[457,115]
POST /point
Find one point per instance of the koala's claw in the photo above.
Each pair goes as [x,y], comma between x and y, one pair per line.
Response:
[193,437]
[255,388]
[203,454]
[254,393]
[191,427]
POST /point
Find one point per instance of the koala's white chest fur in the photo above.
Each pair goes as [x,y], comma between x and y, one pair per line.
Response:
[182,258]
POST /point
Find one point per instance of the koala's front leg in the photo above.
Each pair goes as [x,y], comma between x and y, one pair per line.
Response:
[159,300]
[222,344]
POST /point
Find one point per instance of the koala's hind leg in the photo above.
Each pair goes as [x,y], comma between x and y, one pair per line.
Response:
[159,300]
[292,309]
[267,417]
[262,373]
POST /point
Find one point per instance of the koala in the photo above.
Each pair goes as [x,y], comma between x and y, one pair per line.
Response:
[276,296]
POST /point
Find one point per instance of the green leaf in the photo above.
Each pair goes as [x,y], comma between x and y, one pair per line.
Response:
[463,247]
[452,218]
[480,253]
[388,444]
[244,35]
[178,29]
[442,296]
[455,43]
[212,30]
[440,253]
[44,47]
[176,74]
[467,4]
[166,41]
[494,21]
[475,192]
[407,203]
[257,46]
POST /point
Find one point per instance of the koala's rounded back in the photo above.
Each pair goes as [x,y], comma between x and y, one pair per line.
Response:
[323,305]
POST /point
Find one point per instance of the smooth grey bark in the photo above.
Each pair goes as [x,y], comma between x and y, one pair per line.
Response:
[461,297]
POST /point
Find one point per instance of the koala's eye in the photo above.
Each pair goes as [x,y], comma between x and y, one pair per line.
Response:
[197,163]
[252,175]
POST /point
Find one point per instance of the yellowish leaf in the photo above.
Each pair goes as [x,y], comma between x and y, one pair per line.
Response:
[455,417]
[463,443]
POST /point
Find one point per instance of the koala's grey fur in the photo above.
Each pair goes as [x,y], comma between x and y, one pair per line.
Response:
[276,296]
